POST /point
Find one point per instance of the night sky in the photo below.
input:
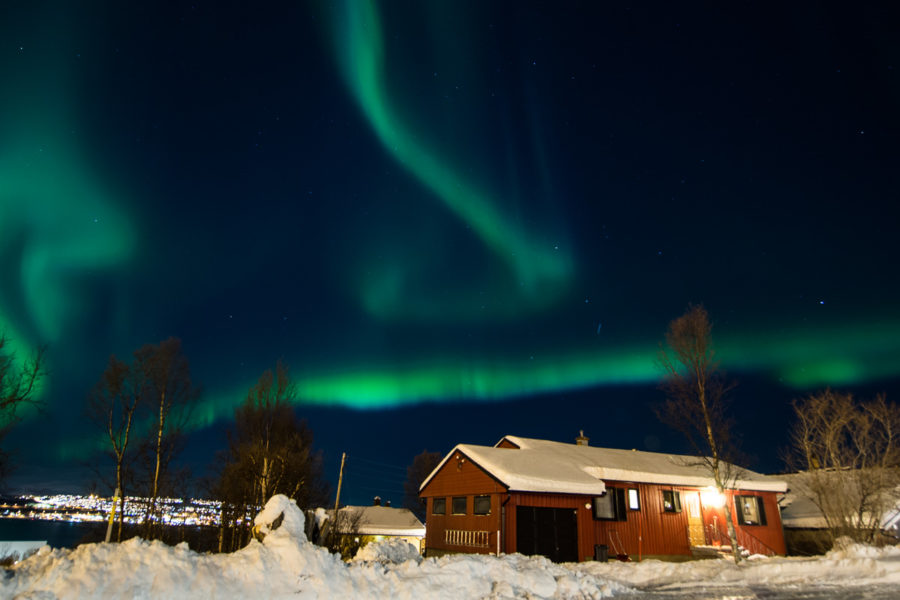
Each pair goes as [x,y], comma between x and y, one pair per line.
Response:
[454,220]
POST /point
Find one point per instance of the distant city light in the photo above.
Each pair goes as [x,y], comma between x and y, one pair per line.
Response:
[94,509]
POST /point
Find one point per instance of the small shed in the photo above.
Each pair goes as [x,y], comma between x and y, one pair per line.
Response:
[805,530]
[360,525]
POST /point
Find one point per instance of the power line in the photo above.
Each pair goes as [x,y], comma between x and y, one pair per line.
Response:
[380,464]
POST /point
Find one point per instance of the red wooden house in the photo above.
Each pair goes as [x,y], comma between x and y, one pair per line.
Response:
[573,502]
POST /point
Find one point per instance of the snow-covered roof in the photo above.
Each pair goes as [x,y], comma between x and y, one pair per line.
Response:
[382,520]
[546,466]
[798,509]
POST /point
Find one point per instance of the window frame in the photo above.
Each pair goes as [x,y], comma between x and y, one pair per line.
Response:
[760,510]
[481,497]
[614,503]
[443,502]
[675,502]
[633,494]
[454,501]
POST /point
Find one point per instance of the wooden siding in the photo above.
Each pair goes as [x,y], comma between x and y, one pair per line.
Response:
[462,477]
[649,530]
[771,534]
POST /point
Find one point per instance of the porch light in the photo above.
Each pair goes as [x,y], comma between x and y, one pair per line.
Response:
[712,498]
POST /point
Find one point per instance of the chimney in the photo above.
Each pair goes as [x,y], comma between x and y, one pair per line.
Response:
[376,501]
[581,440]
[387,502]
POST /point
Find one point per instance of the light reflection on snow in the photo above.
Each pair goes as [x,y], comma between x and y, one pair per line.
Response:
[816,592]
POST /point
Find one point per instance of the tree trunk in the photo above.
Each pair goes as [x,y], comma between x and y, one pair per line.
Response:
[732,534]
[155,487]
[121,487]
[717,474]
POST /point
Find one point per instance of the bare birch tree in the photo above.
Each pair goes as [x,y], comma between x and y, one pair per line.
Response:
[164,379]
[695,390]
[18,383]
[849,455]
[113,405]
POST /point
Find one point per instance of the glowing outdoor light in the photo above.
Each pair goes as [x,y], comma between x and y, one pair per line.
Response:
[711,497]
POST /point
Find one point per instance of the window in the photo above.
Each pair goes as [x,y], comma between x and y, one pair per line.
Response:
[634,499]
[671,501]
[481,505]
[439,506]
[750,510]
[459,505]
[611,505]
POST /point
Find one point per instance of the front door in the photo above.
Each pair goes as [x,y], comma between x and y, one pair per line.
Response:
[695,518]
[551,532]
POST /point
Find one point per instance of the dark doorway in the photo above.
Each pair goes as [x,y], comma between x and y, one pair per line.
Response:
[550,532]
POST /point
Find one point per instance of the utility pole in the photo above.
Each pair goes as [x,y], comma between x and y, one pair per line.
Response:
[337,499]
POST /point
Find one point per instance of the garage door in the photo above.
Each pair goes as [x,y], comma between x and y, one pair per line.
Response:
[550,532]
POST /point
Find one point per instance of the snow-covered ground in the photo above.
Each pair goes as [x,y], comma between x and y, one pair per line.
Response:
[285,565]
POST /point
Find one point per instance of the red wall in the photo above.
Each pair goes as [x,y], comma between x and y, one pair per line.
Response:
[462,478]
[771,534]
[649,530]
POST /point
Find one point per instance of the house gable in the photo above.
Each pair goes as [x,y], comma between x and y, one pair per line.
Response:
[458,475]
[505,443]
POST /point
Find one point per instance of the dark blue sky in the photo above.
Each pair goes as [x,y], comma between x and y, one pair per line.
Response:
[453,220]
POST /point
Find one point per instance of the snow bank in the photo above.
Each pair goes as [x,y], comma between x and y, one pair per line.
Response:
[19,550]
[285,565]
[854,566]
[389,551]
[845,548]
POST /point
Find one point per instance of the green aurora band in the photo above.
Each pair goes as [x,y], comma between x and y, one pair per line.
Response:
[802,359]
[61,223]
[58,223]
[541,271]
[844,355]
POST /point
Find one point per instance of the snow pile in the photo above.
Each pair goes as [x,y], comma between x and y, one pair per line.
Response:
[320,516]
[19,550]
[281,519]
[389,551]
[846,548]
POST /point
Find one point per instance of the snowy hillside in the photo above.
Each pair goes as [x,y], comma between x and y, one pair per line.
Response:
[285,565]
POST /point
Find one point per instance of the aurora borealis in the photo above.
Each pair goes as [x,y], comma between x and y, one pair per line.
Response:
[447,208]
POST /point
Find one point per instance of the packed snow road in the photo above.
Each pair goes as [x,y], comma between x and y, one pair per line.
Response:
[285,565]
[879,592]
